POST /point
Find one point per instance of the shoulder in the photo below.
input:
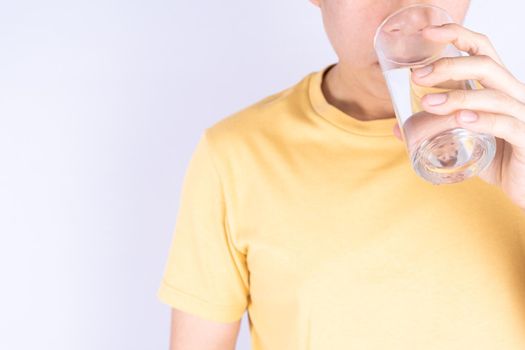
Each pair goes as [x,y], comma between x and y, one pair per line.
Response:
[260,118]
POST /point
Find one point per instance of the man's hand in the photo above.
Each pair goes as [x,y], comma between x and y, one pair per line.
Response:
[498,109]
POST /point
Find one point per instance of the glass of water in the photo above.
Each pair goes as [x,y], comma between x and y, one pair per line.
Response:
[440,150]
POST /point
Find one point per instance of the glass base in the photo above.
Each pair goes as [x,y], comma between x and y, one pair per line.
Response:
[453,156]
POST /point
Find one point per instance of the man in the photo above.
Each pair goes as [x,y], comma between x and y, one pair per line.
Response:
[304,210]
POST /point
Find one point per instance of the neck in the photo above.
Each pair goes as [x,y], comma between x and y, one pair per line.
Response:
[362,95]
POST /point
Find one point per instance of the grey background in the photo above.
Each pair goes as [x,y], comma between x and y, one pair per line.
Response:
[101,105]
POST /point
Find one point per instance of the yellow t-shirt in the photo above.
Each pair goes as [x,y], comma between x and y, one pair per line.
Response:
[316,224]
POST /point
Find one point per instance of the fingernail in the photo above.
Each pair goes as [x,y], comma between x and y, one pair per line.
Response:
[421,72]
[435,99]
[468,116]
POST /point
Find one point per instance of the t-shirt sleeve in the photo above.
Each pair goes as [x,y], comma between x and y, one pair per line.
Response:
[205,274]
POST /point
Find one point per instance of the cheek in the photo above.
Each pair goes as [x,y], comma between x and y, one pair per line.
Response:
[353,39]
[351,29]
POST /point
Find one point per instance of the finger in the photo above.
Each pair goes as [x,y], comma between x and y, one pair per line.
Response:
[397,132]
[481,68]
[486,100]
[464,39]
[502,126]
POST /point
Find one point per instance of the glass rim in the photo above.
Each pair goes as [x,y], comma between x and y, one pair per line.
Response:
[395,13]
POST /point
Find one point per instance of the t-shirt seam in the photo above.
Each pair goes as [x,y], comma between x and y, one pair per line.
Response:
[223,193]
[196,297]
[312,107]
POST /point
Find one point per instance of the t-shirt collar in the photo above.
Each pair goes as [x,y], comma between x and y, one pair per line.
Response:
[377,127]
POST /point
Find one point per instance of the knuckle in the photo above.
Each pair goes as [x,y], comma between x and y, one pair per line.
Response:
[518,109]
[516,128]
[460,97]
[521,132]
[486,61]
[505,102]
[520,127]
[492,123]
[521,93]
[445,63]
[502,124]
[482,37]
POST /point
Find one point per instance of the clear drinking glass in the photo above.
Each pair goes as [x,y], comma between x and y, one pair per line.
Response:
[439,149]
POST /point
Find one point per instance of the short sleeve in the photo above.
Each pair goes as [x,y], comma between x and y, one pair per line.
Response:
[205,274]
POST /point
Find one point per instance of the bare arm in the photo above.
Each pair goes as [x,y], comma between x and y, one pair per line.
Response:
[189,332]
